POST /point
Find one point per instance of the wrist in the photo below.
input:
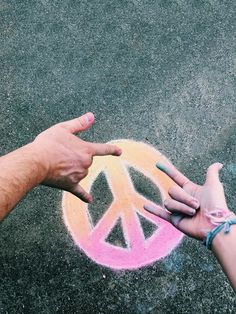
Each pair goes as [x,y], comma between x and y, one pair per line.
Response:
[21,171]
[39,161]
[222,220]
[221,240]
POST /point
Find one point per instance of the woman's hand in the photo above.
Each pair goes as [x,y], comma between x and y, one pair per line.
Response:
[191,208]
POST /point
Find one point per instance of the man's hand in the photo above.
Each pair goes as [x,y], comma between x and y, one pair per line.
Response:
[67,157]
[56,158]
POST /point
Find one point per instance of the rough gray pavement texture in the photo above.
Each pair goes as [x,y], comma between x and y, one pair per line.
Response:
[162,72]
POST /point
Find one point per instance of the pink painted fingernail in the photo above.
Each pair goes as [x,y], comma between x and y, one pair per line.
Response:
[119,151]
[90,199]
[90,117]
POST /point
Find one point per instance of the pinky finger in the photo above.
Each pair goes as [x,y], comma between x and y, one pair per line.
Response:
[158,211]
[82,194]
[173,218]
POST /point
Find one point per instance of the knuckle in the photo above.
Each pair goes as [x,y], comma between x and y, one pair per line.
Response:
[185,183]
[104,150]
[183,207]
[74,178]
[60,126]
[189,188]
[87,162]
[167,203]
[108,149]
[175,176]
[173,190]
[89,150]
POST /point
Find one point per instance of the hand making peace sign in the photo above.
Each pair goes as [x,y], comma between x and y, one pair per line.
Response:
[192,208]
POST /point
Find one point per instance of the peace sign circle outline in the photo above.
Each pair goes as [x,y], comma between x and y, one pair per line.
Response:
[127,203]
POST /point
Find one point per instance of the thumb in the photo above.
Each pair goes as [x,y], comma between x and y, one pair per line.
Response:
[79,124]
[212,176]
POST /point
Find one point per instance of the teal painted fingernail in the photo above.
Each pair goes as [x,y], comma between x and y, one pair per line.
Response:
[162,167]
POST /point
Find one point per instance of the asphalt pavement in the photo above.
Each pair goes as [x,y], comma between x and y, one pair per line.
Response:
[159,72]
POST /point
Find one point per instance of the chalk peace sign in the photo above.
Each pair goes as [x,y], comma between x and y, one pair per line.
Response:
[126,206]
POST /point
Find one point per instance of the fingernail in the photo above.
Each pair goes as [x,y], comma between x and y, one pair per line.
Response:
[90,199]
[195,203]
[119,151]
[90,117]
[175,218]
[160,166]
[192,212]
[150,209]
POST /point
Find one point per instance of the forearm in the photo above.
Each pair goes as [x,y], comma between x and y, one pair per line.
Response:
[20,171]
[224,248]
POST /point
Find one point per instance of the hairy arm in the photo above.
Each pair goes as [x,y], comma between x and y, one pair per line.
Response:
[20,171]
[56,158]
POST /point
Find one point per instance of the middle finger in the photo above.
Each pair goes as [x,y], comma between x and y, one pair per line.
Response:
[180,195]
[177,207]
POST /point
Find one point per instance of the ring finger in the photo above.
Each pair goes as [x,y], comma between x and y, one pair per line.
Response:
[174,206]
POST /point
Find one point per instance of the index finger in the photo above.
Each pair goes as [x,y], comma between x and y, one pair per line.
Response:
[173,173]
[105,149]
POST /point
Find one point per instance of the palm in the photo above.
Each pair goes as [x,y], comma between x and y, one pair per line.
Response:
[190,225]
[210,197]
